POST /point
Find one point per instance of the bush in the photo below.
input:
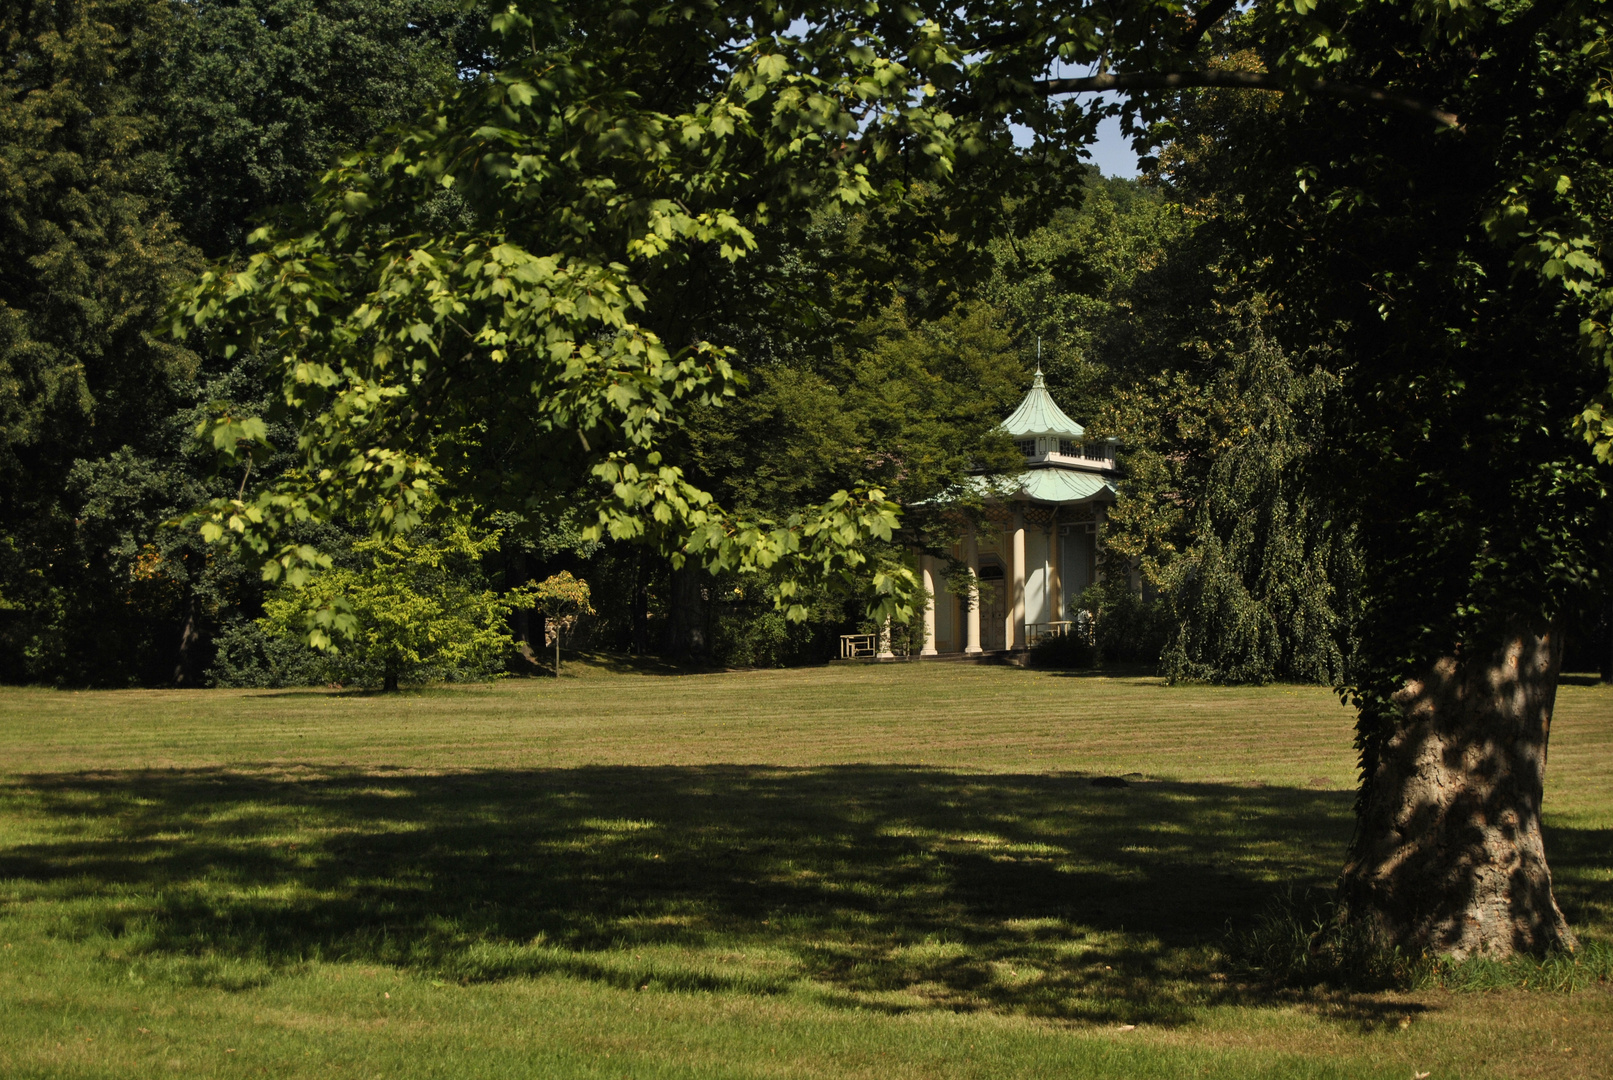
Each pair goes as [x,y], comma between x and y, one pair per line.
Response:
[1066,652]
[250,656]
[408,609]
[1129,629]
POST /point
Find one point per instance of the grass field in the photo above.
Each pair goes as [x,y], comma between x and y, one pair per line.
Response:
[900,871]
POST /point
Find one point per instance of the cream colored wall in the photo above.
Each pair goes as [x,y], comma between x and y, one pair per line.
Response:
[1037,581]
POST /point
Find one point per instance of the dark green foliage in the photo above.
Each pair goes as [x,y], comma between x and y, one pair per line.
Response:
[1130,627]
[260,96]
[1245,565]
[86,261]
[1264,589]
[1464,363]
[246,655]
[747,632]
[907,404]
[133,132]
[1077,286]
[1064,651]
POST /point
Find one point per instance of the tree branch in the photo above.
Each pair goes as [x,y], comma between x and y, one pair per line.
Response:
[1245,80]
[1207,16]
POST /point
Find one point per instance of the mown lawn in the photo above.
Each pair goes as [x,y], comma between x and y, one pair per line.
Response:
[902,871]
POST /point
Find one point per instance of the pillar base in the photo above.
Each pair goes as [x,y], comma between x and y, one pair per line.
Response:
[974,651]
[929,652]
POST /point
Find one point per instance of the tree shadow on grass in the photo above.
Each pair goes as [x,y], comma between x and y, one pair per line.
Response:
[877,886]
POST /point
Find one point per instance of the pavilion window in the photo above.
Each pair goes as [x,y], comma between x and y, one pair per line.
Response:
[1069,448]
[1027,447]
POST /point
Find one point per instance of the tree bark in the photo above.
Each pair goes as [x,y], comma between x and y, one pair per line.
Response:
[516,574]
[1244,80]
[189,639]
[1448,856]
[390,679]
[190,635]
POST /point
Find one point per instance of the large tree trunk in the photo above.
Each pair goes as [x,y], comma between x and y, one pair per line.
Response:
[1448,856]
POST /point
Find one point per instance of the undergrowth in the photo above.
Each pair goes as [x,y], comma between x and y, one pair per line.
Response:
[1300,941]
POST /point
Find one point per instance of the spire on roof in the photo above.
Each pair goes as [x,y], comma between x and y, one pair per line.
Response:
[1039,414]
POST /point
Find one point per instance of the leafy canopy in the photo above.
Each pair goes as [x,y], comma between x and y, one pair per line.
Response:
[479,283]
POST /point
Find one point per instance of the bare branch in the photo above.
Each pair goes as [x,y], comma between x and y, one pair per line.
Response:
[1245,80]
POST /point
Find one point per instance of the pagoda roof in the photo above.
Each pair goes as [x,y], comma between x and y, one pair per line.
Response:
[1039,414]
[1048,486]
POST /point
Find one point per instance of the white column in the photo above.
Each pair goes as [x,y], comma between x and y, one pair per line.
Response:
[1048,599]
[1055,548]
[971,556]
[1015,637]
[927,577]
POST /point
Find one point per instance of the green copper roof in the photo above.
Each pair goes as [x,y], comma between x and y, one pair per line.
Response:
[1048,486]
[1039,414]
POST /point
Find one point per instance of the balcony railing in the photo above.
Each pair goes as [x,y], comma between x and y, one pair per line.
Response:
[1039,631]
[858,646]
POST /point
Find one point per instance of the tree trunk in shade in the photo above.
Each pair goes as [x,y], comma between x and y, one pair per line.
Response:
[186,665]
[686,624]
[515,575]
[1448,856]
[641,602]
[1607,641]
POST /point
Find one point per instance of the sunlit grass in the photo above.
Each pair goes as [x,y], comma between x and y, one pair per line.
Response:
[900,871]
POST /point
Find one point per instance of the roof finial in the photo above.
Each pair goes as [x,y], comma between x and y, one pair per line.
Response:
[1038,382]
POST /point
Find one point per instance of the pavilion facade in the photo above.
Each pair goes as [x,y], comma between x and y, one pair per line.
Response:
[1038,548]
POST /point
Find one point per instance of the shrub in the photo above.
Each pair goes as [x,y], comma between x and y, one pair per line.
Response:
[412,609]
[1067,652]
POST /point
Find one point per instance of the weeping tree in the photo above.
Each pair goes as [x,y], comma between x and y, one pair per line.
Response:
[1265,587]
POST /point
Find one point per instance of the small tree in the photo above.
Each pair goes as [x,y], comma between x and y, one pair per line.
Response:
[415,608]
[563,600]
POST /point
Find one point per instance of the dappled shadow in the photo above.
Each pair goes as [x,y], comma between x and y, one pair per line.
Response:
[1582,878]
[1450,858]
[881,886]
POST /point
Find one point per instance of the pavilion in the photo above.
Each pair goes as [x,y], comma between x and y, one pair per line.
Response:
[1037,550]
